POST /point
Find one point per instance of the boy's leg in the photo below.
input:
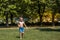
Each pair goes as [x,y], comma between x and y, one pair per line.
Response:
[22,34]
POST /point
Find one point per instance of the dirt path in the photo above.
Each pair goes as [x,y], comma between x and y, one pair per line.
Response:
[28,28]
[7,28]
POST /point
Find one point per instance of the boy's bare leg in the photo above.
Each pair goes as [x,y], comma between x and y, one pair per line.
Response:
[22,35]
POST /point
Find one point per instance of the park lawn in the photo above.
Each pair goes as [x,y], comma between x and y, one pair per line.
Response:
[30,34]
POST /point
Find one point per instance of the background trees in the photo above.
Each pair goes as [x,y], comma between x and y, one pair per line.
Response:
[35,10]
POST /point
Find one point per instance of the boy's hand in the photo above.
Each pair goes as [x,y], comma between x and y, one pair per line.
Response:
[26,27]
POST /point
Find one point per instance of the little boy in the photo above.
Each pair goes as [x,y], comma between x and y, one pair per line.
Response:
[21,25]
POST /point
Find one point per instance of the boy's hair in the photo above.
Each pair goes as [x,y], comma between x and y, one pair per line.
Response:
[21,17]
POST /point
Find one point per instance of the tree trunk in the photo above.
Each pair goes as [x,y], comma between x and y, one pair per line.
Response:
[11,17]
[58,5]
[7,19]
[39,6]
[40,20]
[53,15]
[39,11]
[53,20]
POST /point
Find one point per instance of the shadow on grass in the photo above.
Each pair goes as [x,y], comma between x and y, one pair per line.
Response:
[17,36]
[48,29]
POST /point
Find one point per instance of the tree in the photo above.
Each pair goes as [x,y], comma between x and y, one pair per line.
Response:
[51,4]
[6,13]
[29,8]
[58,5]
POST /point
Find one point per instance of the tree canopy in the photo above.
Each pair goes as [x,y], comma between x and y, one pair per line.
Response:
[28,8]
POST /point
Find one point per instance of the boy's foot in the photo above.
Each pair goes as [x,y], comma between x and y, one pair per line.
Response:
[20,38]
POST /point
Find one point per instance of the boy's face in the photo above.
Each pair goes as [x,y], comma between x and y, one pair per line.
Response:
[21,19]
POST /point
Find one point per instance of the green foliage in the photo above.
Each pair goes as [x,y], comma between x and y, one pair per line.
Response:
[28,8]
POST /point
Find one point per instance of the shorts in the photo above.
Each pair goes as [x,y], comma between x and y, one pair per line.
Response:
[21,29]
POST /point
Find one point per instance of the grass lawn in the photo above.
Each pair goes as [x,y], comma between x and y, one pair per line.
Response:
[30,34]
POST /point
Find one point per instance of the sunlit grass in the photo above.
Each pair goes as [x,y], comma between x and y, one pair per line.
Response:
[30,34]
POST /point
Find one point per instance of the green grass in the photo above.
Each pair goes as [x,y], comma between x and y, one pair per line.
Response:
[30,34]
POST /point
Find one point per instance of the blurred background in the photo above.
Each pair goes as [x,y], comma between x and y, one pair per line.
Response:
[35,12]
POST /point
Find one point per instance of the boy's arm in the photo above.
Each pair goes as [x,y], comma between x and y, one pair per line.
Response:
[18,25]
[25,25]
